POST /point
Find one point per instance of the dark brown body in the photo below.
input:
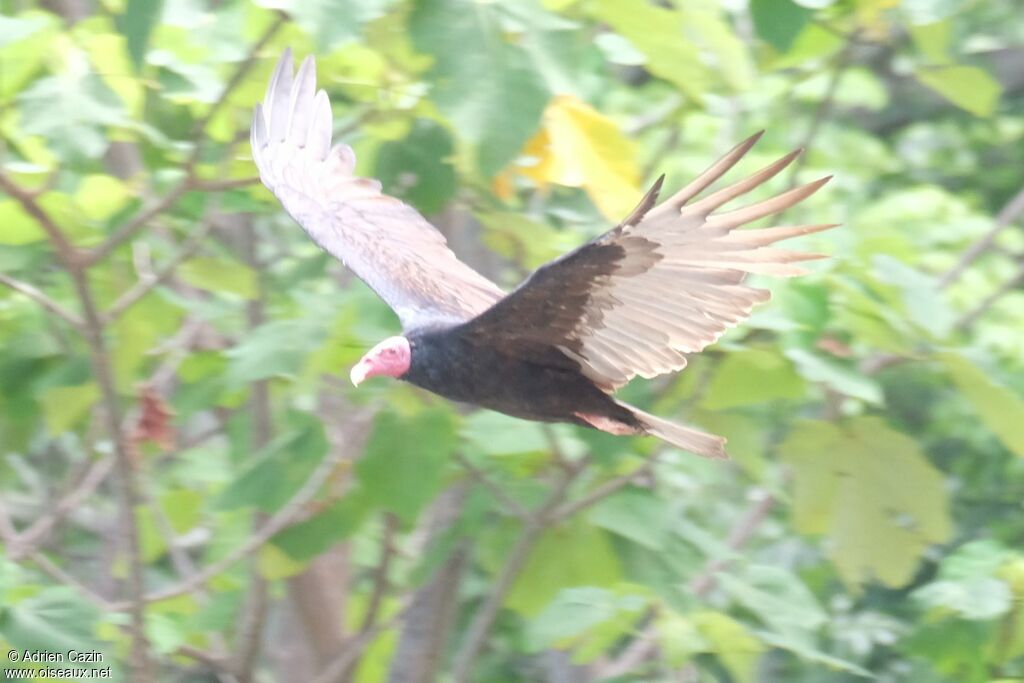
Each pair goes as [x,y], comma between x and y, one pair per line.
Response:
[534,383]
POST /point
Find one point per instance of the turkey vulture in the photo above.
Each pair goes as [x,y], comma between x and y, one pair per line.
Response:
[666,281]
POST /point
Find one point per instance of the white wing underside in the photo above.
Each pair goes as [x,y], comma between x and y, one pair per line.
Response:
[384,241]
[648,318]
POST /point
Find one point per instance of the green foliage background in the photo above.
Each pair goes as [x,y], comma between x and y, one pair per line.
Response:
[294,529]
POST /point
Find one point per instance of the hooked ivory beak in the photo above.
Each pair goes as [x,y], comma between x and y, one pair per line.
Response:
[359,372]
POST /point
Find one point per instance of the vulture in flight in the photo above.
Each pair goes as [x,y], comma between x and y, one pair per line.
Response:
[666,281]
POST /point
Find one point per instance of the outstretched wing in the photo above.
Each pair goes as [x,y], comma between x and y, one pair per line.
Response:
[667,281]
[386,242]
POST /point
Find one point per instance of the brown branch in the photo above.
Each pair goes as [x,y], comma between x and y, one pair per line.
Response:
[99,357]
[1009,213]
[279,521]
[66,252]
[603,491]
[41,299]
[533,527]
[254,613]
[26,542]
[969,318]
[355,646]
[128,487]
[381,572]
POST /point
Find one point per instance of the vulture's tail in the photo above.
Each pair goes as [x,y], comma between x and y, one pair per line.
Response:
[687,438]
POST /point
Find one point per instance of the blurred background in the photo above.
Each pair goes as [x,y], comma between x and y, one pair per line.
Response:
[190,487]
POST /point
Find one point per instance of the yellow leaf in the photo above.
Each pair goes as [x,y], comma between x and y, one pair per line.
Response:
[580,147]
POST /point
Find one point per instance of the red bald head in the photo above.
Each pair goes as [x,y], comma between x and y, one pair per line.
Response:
[390,358]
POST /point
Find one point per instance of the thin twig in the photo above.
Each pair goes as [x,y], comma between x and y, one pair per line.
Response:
[128,486]
[218,663]
[533,528]
[66,252]
[147,284]
[99,358]
[62,576]
[479,475]
[1009,213]
[282,519]
[603,491]
[41,299]
[254,613]
[824,107]
[236,78]
[381,573]
[138,222]
[354,647]
[739,536]
[644,645]
[969,318]
[189,182]
[25,543]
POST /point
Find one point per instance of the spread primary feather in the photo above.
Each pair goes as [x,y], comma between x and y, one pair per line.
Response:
[667,281]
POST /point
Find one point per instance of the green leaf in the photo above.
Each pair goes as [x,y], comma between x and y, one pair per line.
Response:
[330,22]
[183,508]
[277,348]
[658,33]
[53,620]
[778,598]
[750,377]
[968,87]
[494,99]
[578,612]
[137,22]
[920,296]
[933,39]
[836,375]
[570,555]
[980,598]
[72,111]
[316,535]
[418,168]
[1000,409]
[403,464]
[65,406]
[496,434]
[277,472]
[220,276]
[636,514]
[778,22]
[731,641]
[872,491]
